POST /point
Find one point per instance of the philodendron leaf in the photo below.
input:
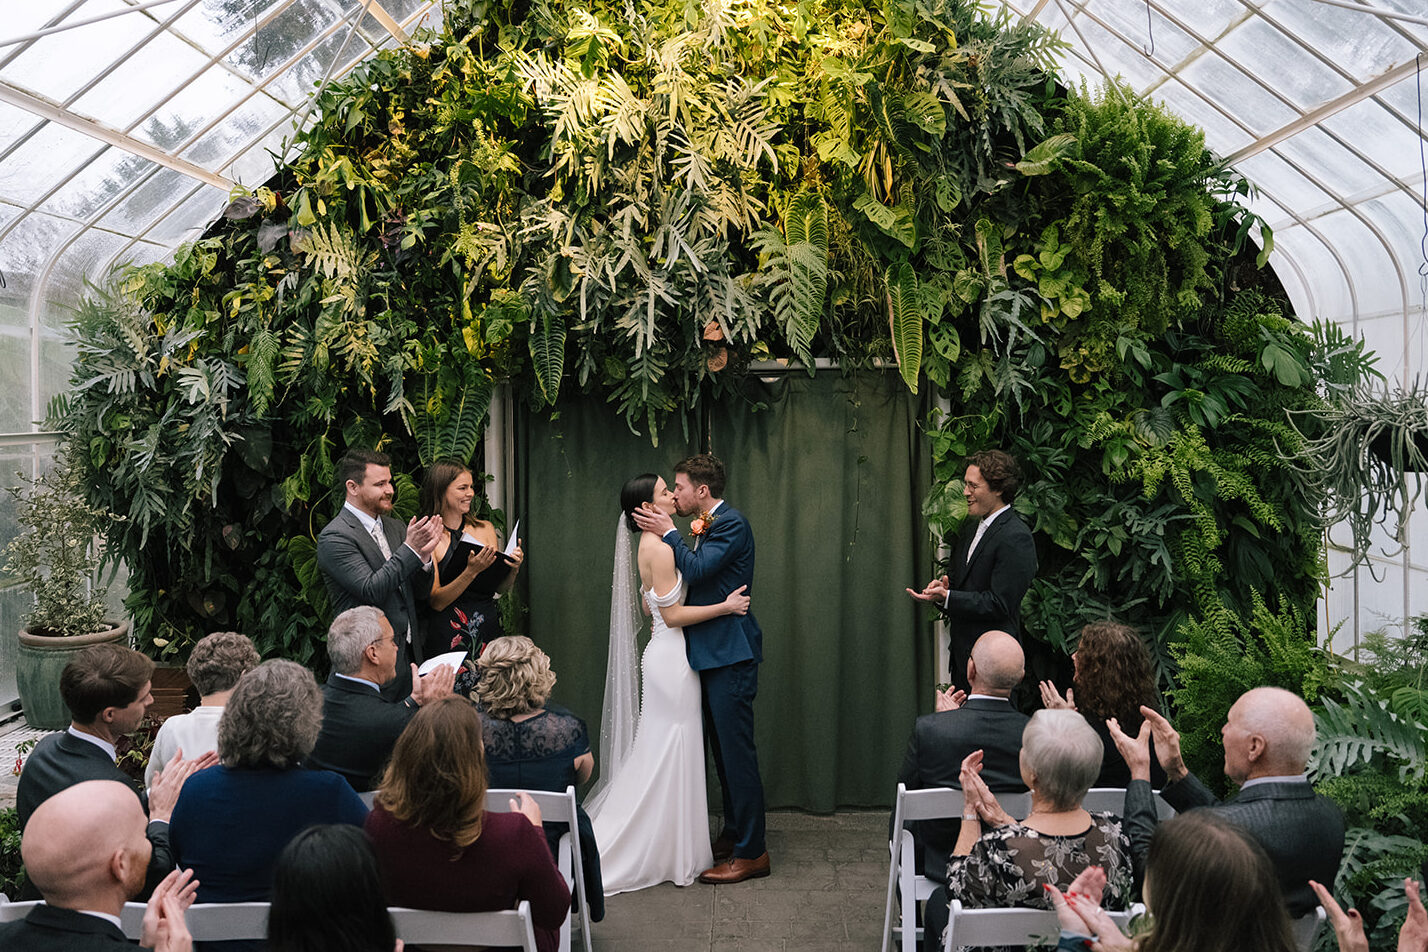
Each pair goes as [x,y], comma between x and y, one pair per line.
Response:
[1044,155]
[894,222]
[905,321]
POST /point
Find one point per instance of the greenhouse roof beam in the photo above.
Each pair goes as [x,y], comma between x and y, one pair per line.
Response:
[23,45]
[62,27]
[31,103]
[1379,12]
[389,23]
[1328,109]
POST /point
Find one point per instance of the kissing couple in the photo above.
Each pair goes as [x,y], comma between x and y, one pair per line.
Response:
[701,673]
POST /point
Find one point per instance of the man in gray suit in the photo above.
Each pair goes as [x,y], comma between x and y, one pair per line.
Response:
[984,720]
[1268,736]
[367,558]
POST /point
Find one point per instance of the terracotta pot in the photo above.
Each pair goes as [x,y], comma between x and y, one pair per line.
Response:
[39,663]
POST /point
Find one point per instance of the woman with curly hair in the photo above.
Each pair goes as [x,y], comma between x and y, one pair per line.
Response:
[232,820]
[1113,678]
[437,845]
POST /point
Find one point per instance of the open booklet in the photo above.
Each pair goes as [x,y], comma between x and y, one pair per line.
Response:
[494,574]
[453,658]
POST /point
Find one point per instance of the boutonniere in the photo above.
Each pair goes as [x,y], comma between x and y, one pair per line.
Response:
[701,523]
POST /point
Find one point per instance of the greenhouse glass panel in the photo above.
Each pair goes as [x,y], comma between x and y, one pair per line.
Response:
[1360,43]
[1259,110]
[1412,8]
[124,97]
[61,64]
[98,183]
[1334,166]
[190,217]
[197,104]
[82,260]
[298,83]
[1380,134]
[215,25]
[285,36]
[56,363]
[14,125]
[1282,64]
[1370,262]
[1210,17]
[146,203]
[241,126]
[1222,135]
[1329,289]
[15,371]
[42,162]
[1128,18]
[257,164]
[1338,608]
[31,459]
[1385,337]
[1289,187]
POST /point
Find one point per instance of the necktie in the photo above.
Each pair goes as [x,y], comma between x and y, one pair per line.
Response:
[380,538]
[981,528]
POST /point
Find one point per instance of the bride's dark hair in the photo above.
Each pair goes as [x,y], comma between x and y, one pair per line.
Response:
[637,491]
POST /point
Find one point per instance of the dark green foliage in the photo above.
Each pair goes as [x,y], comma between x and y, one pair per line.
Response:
[12,870]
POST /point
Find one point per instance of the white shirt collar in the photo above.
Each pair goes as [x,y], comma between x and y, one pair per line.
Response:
[99,742]
[987,520]
[987,697]
[367,520]
[715,508]
[1287,778]
[100,915]
[371,684]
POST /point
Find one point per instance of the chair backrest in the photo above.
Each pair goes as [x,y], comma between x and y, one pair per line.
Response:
[1014,927]
[215,921]
[369,798]
[939,803]
[558,808]
[14,911]
[131,920]
[1113,800]
[554,807]
[509,927]
[1306,928]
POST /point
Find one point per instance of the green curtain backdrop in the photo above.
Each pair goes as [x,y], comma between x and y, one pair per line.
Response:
[830,475]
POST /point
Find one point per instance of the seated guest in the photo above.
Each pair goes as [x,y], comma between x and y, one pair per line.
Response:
[439,848]
[214,666]
[534,745]
[998,861]
[327,895]
[1208,886]
[359,724]
[1113,678]
[106,688]
[985,720]
[1268,736]
[86,850]
[233,819]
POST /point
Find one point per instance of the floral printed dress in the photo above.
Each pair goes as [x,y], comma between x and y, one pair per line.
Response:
[467,623]
[1009,865]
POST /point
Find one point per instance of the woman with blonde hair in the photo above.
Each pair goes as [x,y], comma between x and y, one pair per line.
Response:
[438,847]
[532,744]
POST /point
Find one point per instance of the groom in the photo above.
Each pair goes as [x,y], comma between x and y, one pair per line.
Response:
[726,652]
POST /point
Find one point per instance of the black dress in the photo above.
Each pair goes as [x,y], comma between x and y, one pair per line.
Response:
[471,620]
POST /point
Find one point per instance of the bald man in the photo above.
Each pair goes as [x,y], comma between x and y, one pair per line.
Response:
[87,851]
[1268,735]
[981,720]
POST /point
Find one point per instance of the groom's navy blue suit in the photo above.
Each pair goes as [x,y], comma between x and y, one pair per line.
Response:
[726,652]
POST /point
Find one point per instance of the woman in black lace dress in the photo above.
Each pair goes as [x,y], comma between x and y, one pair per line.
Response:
[1001,862]
[461,613]
[534,745]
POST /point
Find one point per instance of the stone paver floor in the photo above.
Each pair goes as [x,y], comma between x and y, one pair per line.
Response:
[825,893]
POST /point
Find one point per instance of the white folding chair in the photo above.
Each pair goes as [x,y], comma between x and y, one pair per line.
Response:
[15,911]
[131,920]
[558,808]
[369,798]
[509,927]
[1113,800]
[1014,927]
[905,867]
[1306,928]
[218,921]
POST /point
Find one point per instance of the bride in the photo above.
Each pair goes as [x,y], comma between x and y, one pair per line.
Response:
[648,809]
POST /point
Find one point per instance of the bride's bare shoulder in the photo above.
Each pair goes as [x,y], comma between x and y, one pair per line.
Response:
[652,547]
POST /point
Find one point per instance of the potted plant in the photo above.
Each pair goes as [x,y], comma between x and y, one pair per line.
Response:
[56,556]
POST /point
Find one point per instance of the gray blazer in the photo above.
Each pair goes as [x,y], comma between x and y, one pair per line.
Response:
[1302,832]
[357,574]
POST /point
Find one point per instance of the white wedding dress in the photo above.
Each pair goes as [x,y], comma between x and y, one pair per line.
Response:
[651,820]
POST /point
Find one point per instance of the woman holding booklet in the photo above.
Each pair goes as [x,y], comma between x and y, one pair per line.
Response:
[469,571]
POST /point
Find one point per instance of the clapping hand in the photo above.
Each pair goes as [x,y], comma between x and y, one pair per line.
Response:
[1080,914]
[1135,751]
[1052,699]
[935,592]
[1167,745]
[975,794]
[480,560]
[436,683]
[423,534]
[949,700]
[164,928]
[1349,926]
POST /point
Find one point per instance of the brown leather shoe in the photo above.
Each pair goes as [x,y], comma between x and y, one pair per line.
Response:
[723,848]
[736,871]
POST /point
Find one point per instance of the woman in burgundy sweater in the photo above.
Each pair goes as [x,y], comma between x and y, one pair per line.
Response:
[437,846]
